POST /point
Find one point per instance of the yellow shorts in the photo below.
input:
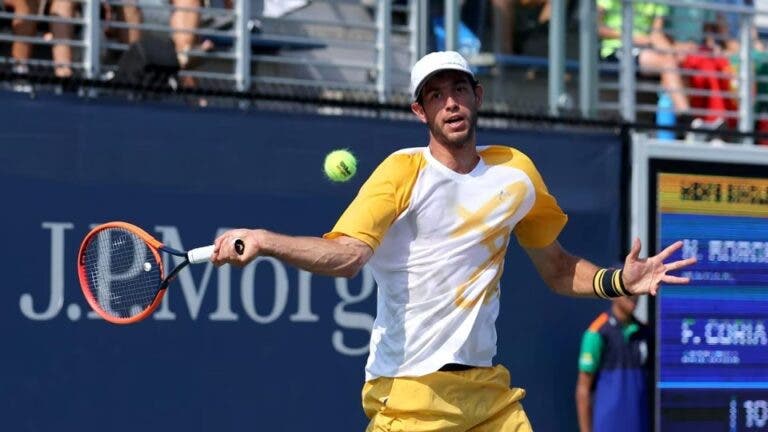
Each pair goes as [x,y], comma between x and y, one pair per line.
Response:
[477,399]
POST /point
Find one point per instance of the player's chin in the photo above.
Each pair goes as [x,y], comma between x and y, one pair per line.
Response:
[457,138]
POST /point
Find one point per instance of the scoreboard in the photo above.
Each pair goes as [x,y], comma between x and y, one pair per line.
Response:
[711,343]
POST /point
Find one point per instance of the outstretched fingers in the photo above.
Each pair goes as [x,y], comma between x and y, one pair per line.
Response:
[675,280]
[634,252]
[672,266]
[676,265]
[669,250]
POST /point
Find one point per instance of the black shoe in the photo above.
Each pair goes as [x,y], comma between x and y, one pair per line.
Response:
[706,131]
[684,122]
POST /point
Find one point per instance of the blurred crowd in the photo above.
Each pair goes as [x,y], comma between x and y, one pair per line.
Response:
[668,41]
[694,52]
[121,22]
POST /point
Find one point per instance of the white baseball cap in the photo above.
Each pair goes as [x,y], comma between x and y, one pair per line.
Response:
[433,63]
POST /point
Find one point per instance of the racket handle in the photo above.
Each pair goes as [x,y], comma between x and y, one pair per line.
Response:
[203,254]
[200,255]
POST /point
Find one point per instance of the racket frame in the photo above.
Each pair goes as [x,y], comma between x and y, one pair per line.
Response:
[155,246]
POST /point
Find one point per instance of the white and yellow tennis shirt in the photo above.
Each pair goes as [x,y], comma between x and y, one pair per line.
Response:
[439,241]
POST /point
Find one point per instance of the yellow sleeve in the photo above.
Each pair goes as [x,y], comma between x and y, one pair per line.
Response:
[541,226]
[382,198]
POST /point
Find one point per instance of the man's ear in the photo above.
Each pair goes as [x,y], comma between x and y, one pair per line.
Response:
[419,111]
[479,94]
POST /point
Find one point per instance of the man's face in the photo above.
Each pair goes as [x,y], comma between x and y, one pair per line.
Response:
[449,107]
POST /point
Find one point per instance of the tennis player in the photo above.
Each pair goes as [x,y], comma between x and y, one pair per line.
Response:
[433,224]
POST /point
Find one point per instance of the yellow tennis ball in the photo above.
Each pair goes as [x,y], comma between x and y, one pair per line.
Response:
[340,165]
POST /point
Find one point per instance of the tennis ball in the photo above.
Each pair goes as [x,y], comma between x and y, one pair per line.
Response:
[340,165]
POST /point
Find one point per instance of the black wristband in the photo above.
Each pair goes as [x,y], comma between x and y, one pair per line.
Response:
[618,283]
[597,283]
[607,284]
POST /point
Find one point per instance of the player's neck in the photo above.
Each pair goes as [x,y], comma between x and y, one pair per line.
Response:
[460,159]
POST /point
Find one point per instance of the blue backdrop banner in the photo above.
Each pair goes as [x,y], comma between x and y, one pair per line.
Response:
[266,347]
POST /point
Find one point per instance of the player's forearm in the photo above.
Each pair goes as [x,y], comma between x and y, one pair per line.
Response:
[572,276]
[583,278]
[314,254]
[564,273]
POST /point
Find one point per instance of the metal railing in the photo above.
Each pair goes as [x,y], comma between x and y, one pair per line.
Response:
[334,47]
[633,86]
[337,45]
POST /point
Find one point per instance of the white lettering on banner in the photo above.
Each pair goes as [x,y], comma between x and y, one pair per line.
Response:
[104,283]
[193,291]
[352,320]
[56,297]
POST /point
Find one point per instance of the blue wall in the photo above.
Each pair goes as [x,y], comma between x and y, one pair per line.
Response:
[268,347]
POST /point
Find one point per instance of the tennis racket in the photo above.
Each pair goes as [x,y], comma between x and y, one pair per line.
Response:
[121,270]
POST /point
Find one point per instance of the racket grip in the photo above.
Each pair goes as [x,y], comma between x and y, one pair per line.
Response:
[200,255]
[203,254]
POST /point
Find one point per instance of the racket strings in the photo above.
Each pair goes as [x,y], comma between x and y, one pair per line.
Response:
[122,272]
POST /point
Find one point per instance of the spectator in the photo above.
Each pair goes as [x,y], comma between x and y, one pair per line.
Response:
[128,13]
[714,59]
[691,28]
[22,51]
[506,19]
[612,388]
[62,53]
[693,31]
[729,27]
[184,23]
[652,52]
[469,26]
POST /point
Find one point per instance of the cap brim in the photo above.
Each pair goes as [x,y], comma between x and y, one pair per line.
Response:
[424,80]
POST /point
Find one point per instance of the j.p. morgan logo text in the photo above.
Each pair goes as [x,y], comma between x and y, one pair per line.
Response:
[213,284]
